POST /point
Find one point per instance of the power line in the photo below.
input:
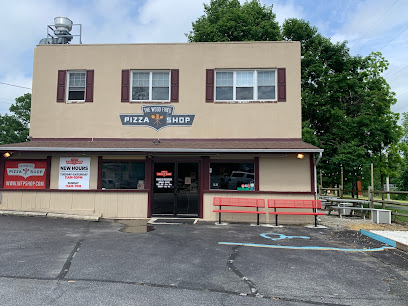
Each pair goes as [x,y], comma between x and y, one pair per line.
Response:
[6,102]
[402,106]
[402,94]
[394,38]
[15,85]
[8,99]
[359,39]
[389,76]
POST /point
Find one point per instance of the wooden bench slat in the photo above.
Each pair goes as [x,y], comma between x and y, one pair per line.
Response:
[295,204]
[283,203]
[239,202]
[240,211]
[295,213]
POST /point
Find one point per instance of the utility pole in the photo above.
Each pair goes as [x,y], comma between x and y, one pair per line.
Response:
[371,194]
[341,182]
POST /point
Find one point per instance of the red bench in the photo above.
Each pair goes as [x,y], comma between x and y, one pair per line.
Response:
[239,202]
[299,204]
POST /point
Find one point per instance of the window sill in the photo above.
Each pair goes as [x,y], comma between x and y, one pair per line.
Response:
[245,102]
[152,102]
[74,102]
[76,190]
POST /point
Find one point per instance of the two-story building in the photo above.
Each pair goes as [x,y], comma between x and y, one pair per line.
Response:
[142,130]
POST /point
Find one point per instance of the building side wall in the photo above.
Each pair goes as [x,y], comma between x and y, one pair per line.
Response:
[100,119]
[109,204]
[285,173]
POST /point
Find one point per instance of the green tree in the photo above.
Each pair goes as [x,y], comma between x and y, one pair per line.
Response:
[405,128]
[228,20]
[345,100]
[402,179]
[15,127]
[346,103]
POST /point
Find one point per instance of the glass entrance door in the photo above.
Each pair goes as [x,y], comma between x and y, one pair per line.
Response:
[175,190]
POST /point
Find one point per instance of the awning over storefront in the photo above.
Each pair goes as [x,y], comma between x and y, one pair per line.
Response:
[164,145]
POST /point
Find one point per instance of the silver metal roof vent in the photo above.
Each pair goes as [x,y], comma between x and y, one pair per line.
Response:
[61,32]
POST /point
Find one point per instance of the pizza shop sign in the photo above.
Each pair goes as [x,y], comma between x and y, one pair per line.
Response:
[25,174]
[157,117]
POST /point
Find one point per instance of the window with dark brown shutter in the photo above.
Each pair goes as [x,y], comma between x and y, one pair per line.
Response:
[125,85]
[89,86]
[174,85]
[209,85]
[281,84]
[61,85]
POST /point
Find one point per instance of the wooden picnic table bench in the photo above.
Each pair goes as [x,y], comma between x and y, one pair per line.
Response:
[342,208]
[292,204]
[238,202]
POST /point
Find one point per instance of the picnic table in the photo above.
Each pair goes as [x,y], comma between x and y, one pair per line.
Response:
[348,206]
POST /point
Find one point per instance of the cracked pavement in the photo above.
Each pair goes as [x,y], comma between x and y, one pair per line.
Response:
[67,262]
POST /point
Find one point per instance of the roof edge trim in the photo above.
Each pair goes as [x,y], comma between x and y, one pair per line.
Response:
[164,150]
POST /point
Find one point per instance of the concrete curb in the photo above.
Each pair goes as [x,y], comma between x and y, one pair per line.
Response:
[49,215]
[393,243]
[22,213]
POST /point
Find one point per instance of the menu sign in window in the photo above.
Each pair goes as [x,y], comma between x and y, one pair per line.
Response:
[25,174]
[164,179]
[74,172]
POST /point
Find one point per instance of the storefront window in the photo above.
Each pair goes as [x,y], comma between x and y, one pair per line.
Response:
[232,176]
[123,175]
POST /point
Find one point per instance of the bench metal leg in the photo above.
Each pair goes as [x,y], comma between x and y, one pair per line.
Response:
[257,217]
[219,217]
[315,220]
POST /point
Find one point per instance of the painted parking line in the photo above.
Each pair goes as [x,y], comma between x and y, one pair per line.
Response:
[281,237]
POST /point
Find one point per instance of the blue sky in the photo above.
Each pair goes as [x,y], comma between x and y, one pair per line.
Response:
[368,25]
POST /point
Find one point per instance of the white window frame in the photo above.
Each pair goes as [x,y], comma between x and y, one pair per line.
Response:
[255,83]
[150,85]
[67,83]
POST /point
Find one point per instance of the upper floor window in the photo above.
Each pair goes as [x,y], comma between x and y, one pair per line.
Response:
[241,85]
[76,85]
[150,85]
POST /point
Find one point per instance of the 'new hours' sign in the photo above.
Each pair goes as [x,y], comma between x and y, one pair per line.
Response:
[74,172]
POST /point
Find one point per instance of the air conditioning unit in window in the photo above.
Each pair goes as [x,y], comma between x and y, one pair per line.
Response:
[74,102]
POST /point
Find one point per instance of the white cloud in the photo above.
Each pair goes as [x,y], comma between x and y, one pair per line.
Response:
[9,93]
[285,11]
[375,25]
[23,25]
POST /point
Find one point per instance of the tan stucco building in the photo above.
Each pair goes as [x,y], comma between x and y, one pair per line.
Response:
[141,130]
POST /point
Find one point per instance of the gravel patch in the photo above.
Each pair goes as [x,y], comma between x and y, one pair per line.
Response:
[357,223]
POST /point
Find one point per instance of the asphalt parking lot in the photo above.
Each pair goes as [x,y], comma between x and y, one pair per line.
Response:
[66,262]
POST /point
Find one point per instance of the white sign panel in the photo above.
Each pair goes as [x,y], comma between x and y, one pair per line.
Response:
[74,172]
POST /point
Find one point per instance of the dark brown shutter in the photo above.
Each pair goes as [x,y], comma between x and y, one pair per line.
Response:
[125,85]
[89,86]
[281,84]
[209,85]
[174,85]
[61,85]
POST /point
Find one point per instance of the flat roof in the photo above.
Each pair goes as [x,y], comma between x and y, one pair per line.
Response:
[164,145]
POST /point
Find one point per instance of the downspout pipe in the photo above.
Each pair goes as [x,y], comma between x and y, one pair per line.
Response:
[315,171]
